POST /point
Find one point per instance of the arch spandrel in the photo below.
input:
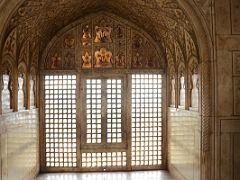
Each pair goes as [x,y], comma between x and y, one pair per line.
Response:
[102,41]
[10,45]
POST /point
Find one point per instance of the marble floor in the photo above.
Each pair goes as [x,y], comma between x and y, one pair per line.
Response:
[137,175]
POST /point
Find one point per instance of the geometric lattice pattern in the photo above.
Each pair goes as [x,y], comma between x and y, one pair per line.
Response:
[60,120]
[93,111]
[103,125]
[104,159]
[114,111]
[146,119]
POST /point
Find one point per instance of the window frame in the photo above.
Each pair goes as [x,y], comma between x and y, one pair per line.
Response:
[80,75]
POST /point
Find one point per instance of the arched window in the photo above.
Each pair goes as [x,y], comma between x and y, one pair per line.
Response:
[102,106]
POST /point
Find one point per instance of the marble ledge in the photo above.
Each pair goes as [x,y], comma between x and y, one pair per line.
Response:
[182,112]
[15,120]
[174,109]
[11,154]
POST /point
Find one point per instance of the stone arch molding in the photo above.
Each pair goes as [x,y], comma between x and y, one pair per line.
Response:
[102,40]
[177,15]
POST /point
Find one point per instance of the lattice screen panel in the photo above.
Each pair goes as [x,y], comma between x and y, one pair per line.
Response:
[94,110]
[114,111]
[146,120]
[60,120]
[104,159]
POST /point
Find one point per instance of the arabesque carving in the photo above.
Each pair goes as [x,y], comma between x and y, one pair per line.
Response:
[10,46]
[24,54]
[191,49]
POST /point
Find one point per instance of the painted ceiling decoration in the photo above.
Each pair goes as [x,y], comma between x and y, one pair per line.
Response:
[102,40]
[37,21]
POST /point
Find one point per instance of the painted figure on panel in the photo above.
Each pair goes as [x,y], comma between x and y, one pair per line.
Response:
[56,62]
[103,34]
[137,61]
[86,60]
[150,62]
[120,60]
[138,43]
[119,32]
[68,61]
[86,38]
[103,58]
[69,41]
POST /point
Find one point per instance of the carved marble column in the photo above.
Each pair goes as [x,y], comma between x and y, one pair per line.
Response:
[32,100]
[173,97]
[6,107]
[195,91]
[182,91]
[20,94]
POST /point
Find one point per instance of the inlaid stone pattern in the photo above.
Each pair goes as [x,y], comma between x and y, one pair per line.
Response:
[100,41]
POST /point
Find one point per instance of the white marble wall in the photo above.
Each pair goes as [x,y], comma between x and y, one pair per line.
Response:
[184,143]
[19,145]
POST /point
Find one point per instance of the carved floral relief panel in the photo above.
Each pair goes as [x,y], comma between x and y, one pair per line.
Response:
[101,41]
